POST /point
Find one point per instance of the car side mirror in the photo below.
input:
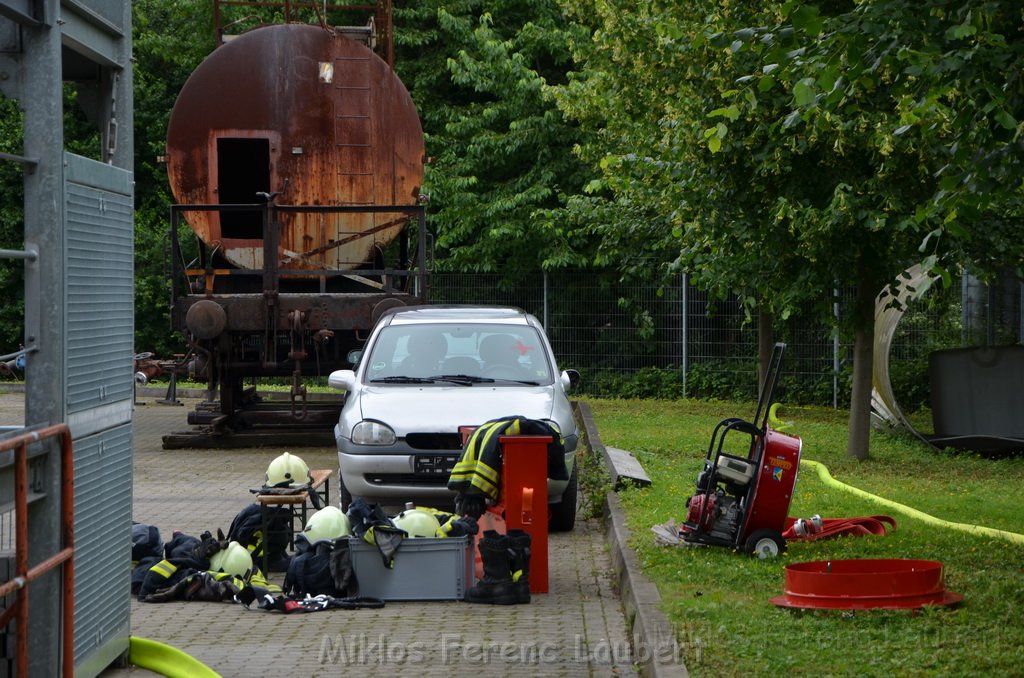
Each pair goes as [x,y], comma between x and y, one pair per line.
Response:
[570,378]
[343,380]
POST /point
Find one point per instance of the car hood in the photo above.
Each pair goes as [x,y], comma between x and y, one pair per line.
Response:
[443,408]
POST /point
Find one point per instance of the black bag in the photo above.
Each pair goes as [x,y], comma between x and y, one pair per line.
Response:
[247,530]
[325,569]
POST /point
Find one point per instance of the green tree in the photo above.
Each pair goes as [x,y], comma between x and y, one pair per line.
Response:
[501,152]
[918,105]
[169,40]
[777,160]
[12,311]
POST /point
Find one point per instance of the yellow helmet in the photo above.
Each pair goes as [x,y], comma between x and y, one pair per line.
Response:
[287,470]
[234,560]
[417,523]
[327,524]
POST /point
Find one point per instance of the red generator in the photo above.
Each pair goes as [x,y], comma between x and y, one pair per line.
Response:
[742,500]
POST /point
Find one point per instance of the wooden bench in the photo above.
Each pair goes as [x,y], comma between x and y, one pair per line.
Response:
[297,505]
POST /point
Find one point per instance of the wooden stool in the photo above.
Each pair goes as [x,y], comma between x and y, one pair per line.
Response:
[297,505]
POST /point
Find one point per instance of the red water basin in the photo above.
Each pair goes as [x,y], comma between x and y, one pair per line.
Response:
[862,584]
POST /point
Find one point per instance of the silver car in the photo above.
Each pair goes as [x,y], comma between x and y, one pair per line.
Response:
[428,375]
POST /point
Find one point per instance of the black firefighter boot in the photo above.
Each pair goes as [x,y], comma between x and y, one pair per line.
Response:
[495,587]
[519,545]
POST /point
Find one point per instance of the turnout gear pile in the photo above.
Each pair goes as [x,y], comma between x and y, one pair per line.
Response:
[372,525]
[196,568]
[476,477]
[320,576]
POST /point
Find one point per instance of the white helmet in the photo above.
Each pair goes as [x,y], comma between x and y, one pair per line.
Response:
[417,523]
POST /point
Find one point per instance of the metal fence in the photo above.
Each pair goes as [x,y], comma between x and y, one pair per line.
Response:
[612,333]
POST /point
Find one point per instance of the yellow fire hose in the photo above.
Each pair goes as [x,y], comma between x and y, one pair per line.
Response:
[166,660]
[827,478]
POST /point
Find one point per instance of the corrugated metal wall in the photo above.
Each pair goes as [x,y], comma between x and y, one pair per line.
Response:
[99,322]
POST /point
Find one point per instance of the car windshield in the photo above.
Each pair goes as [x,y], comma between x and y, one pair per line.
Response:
[467,353]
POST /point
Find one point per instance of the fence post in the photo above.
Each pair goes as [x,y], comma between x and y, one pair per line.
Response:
[685,353]
[544,276]
[835,354]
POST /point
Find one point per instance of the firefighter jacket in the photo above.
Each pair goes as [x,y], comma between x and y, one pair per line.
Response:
[478,471]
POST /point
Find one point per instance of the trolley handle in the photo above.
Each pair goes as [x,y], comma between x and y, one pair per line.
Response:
[732,424]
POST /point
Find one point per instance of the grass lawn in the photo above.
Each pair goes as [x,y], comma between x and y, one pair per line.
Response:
[717,599]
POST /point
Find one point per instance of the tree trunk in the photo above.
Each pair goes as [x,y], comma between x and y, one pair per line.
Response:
[859,441]
[765,343]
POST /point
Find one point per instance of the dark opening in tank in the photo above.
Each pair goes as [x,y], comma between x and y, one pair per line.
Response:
[243,170]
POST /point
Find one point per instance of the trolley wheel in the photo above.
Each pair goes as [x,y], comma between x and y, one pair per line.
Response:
[765,544]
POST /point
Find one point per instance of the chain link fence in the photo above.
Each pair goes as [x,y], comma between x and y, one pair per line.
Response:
[674,341]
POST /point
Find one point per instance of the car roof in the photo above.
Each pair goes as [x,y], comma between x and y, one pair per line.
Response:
[456,312]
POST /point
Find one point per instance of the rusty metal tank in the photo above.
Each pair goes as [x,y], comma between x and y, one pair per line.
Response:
[310,115]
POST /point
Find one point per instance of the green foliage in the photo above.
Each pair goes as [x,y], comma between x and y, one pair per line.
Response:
[12,311]
[717,600]
[909,379]
[931,89]
[81,136]
[783,152]
[647,382]
[169,40]
[501,151]
[594,481]
[721,380]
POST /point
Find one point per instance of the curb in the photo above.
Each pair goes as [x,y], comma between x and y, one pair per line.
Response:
[654,639]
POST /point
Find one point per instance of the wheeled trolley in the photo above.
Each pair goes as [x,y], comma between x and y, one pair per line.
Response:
[742,500]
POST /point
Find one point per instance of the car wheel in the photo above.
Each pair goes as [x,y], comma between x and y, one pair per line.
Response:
[563,514]
[345,495]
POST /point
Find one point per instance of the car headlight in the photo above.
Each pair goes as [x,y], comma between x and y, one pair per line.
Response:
[368,432]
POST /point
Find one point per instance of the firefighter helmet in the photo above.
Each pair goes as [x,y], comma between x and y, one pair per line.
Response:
[235,560]
[327,524]
[417,523]
[287,470]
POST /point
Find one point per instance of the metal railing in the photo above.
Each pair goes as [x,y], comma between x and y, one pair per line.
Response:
[23,573]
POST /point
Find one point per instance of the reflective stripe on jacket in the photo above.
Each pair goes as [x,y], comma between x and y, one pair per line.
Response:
[478,470]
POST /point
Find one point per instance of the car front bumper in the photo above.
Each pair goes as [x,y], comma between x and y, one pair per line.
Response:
[398,473]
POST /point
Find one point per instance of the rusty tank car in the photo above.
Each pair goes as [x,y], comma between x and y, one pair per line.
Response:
[295,156]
